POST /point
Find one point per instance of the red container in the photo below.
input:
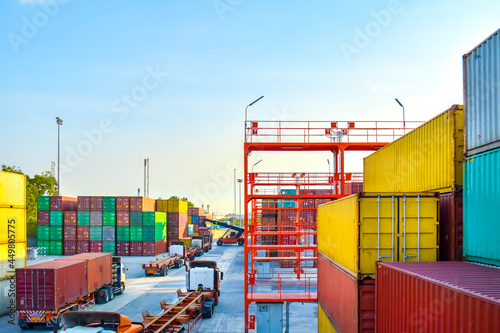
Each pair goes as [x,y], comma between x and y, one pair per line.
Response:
[176,225]
[442,296]
[348,302]
[82,246]
[123,219]
[122,248]
[196,227]
[83,203]
[70,247]
[96,204]
[63,203]
[51,285]
[95,246]
[136,248]
[451,226]
[142,204]
[43,217]
[82,233]
[148,248]
[122,204]
[160,246]
[70,232]
[70,218]
[99,270]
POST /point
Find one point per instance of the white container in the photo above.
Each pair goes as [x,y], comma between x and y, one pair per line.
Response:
[482,96]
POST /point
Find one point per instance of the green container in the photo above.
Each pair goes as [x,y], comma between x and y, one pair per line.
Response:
[55,248]
[83,218]
[95,233]
[108,219]
[56,218]
[44,243]
[43,233]
[148,234]
[109,247]
[43,203]
[148,219]
[136,234]
[160,217]
[160,233]
[108,204]
[56,233]
[123,234]
[136,219]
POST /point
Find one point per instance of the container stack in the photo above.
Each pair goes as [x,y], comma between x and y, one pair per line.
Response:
[12,232]
[177,219]
[196,218]
[51,221]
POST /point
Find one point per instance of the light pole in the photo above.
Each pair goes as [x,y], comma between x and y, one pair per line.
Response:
[401,105]
[59,122]
[246,109]
[256,164]
[240,181]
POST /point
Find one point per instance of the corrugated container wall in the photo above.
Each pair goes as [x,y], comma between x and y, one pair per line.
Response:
[451,225]
[481,200]
[357,231]
[324,323]
[437,297]
[428,158]
[99,270]
[12,224]
[12,190]
[482,96]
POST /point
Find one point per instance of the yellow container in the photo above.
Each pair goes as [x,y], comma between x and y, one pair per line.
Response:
[186,241]
[428,158]
[218,233]
[196,234]
[190,219]
[12,256]
[324,323]
[12,225]
[161,205]
[12,190]
[177,206]
[356,231]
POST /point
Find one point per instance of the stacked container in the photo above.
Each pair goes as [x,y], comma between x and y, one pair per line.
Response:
[176,219]
[122,226]
[109,224]
[482,141]
[357,231]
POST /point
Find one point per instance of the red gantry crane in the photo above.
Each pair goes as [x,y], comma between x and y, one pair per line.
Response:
[282,227]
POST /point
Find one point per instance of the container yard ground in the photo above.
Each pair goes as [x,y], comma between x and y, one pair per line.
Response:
[145,293]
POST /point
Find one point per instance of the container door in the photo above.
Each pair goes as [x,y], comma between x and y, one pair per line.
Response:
[418,228]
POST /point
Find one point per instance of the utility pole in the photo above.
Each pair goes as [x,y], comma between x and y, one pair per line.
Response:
[240,181]
[234,194]
[146,177]
[59,122]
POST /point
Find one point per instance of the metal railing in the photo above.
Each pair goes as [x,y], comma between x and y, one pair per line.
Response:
[283,283]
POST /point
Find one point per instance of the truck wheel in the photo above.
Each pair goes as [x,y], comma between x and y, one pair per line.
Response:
[122,288]
[219,242]
[111,293]
[24,325]
[240,242]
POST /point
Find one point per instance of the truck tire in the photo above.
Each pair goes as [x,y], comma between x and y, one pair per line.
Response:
[219,242]
[122,289]
[102,296]
[24,325]
[111,293]
[240,242]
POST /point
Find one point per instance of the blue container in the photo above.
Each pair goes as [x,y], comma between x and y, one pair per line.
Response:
[481,204]
[195,220]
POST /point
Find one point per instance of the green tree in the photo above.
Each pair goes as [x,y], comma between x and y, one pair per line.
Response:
[190,204]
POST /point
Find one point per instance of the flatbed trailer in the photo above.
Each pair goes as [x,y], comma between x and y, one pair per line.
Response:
[193,252]
[162,265]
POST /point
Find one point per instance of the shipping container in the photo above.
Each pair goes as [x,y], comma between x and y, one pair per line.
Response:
[43,203]
[136,219]
[43,233]
[109,247]
[95,246]
[82,233]
[12,225]
[70,233]
[451,226]
[96,204]
[43,217]
[83,203]
[123,234]
[148,248]
[70,218]
[83,218]
[481,68]
[56,248]
[437,297]
[12,190]
[122,219]
[56,233]
[96,218]
[481,200]
[63,203]
[56,218]
[122,204]
[324,323]
[148,234]
[160,246]
[161,205]
[148,219]
[70,247]
[43,244]
[99,268]
[109,234]
[195,219]
[51,285]
[95,233]
[108,204]
[12,256]
[176,225]
[82,246]
[177,206]
[135,234]
[109,218]
[186,241]
[429,158]
[349,302]
[122,248]
[356,231]
[190,229]
[7,296]
[142,204]
[136,248]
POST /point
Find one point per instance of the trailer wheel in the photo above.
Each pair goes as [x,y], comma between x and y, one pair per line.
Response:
[240,242]
[219,242]
[24,325]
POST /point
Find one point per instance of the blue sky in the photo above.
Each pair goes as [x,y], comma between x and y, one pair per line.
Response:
[194,66]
